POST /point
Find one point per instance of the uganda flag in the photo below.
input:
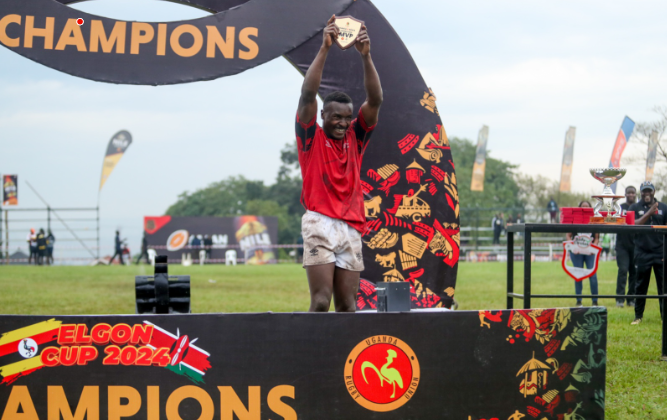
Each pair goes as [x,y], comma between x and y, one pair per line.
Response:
[184,357]
[20,349]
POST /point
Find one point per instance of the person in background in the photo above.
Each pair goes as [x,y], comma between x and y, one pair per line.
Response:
[208,244]
[32,246]
[50,240]
[195,244]
[519,220]
[41,247]
[605,243]
[144,249]
[578,260]
[648,248]
[625,254]
[119,249]
[498,226]
[552,208]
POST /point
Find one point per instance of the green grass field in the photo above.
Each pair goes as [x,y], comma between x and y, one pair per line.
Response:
[636,378]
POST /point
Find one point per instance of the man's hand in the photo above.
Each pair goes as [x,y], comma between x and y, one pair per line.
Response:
[331,33]
[363,44]
[654,208]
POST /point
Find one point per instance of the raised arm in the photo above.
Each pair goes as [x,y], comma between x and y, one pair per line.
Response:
[371,107]
[311,83]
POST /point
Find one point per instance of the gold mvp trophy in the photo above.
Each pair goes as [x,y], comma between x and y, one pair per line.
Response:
[608,201]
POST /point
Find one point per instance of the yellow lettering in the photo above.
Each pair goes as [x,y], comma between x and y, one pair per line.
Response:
[46,32]
[176,37]
[88,406]
[226,45]
[231,404]
[118,410]
[71,35]
[244,39]
[279,407]
[19,397]
[153,403]
[99,37]
[161,38]
[189,391]
[4,22]
[142,33]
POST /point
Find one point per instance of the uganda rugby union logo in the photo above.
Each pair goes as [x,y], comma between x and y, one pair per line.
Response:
[382,373]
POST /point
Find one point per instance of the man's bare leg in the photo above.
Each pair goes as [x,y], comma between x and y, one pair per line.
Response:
[345,287]
[321,283]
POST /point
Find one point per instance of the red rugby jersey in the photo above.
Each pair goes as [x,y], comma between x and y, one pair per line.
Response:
[331,170]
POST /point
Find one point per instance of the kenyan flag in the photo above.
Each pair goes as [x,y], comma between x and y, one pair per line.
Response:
[184,357]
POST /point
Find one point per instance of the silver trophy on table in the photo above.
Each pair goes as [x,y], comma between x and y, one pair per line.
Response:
[608,201]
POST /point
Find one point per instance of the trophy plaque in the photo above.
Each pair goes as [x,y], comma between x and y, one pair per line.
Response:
[349,29]
[608,201]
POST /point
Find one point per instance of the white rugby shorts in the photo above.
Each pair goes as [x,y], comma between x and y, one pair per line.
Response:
[327,240]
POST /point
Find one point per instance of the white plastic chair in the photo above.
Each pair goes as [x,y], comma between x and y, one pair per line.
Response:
[202,256]
[151,256]
[230,257]
[186,260]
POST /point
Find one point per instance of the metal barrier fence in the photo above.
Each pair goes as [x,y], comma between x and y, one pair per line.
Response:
[77,228]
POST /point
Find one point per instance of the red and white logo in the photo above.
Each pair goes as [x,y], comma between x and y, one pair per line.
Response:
[580,245]
[382,373]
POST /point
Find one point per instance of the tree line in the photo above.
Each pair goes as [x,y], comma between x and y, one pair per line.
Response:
[504,188]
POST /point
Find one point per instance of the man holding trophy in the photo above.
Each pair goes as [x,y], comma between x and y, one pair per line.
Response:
[330,158]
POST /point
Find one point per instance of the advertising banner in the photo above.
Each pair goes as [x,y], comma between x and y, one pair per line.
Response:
[407,173]
[250,237]
[10,190]
[627,127]
[651,155]
[568,155]
[509,364]
[479,166]
[115,150]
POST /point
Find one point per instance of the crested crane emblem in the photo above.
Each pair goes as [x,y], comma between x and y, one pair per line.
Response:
[382,373]
[27,348]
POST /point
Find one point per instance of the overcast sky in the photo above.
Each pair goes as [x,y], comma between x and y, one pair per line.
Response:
[527,69]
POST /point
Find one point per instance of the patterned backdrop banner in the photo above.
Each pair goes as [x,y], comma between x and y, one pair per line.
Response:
[468,365]
[408,176]
[568,156]
[479,166]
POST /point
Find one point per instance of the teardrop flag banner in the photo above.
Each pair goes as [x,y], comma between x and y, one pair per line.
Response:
[651,155]
[621,140]
[117,146]
[568,156]
[479,166]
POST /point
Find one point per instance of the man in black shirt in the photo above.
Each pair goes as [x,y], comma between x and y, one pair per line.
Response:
[625,254]
[648,248]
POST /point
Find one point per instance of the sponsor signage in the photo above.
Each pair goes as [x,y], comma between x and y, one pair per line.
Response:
[568,157]
[148,53]
[10,190]
[479,167]
[460,365]
[250,236]
[115,150]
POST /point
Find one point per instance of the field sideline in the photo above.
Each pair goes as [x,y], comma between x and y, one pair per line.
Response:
[636,379]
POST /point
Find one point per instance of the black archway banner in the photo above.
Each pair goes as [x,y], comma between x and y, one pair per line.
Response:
[408,173]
